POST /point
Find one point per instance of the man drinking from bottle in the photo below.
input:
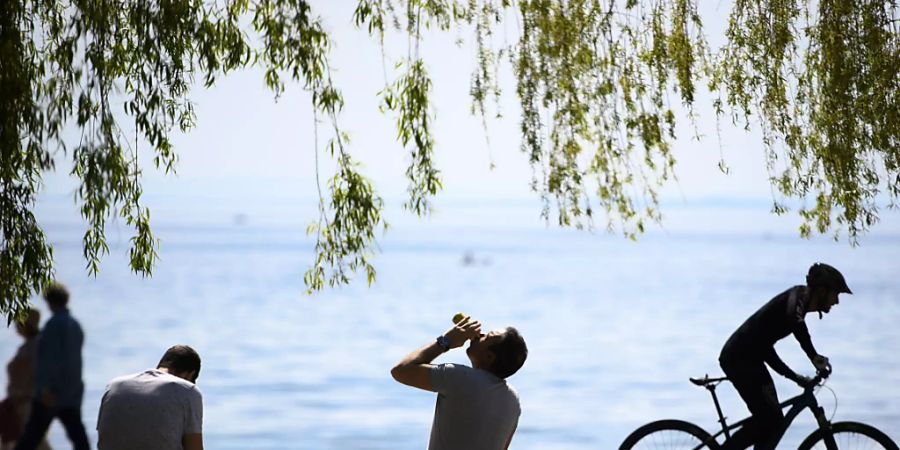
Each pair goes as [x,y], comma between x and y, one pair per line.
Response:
[476,408]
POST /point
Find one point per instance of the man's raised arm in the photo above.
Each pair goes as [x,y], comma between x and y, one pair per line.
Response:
[415,369]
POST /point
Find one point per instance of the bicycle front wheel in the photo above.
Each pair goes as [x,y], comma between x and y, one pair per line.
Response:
[669,435]
[848,436]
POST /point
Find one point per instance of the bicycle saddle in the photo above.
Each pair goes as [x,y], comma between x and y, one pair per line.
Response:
[706,380]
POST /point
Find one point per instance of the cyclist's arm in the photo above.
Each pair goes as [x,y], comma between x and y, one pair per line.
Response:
[775,362]
[801,333]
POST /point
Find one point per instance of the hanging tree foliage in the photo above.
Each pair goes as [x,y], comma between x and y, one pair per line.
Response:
[594,79]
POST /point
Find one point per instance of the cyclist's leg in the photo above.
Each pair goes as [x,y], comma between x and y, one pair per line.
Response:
[769,415]
[742,439]
[756,388]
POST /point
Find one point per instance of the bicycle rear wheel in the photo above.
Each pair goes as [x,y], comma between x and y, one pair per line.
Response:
[849,436]
[669,435]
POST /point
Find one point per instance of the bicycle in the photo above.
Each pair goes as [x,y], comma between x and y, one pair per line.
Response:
[678,434]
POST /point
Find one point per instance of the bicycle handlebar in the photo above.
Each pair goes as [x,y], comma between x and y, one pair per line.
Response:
[821,376]
[710,383]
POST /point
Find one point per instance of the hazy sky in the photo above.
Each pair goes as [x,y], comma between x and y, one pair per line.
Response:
[248,149]
[243,133]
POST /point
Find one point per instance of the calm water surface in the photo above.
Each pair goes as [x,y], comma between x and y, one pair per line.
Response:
[615,329]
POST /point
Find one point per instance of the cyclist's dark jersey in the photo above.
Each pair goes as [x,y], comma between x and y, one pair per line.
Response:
[754,341]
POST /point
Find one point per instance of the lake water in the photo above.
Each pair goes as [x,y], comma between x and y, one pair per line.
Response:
[614,328]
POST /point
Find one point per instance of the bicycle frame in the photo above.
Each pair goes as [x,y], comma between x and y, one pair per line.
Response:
[797,404]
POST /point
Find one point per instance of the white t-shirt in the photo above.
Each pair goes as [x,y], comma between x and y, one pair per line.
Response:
[150,410]
[475,409]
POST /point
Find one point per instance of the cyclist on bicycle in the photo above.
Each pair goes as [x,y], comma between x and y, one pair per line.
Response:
[752,346]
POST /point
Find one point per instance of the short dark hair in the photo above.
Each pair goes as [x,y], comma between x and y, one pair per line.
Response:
[56,294]
[181,359]
[510,353]
[30,325]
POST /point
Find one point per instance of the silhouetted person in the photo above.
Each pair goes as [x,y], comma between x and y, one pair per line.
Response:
[476,408]
[58,386]
[20,389]
[752,346]
[157,409]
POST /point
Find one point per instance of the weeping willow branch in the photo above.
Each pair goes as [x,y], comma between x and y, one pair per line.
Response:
[594,79]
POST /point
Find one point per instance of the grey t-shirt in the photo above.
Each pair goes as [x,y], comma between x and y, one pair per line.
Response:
[150,410]
[475,409]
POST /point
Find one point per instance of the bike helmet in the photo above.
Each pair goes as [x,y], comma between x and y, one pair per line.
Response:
[821,274]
